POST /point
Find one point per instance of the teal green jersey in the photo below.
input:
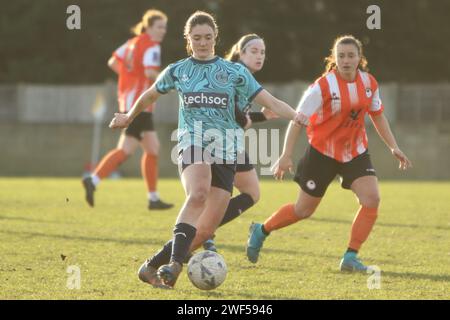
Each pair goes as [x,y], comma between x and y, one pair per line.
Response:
[207,93]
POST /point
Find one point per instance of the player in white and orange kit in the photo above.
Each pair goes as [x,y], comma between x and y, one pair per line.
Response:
[333,111]
[137,63]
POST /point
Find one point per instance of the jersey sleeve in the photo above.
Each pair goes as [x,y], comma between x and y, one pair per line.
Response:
[165,81]
[152,57]
[310,102]
[119,54]
[376,106]
[246,85]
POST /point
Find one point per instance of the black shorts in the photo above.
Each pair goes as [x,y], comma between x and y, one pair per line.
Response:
[316,171]
[246,165]
[222,174]
[143,122]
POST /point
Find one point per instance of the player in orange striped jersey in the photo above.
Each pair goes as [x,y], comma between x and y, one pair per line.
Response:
[333,110]
[137,63]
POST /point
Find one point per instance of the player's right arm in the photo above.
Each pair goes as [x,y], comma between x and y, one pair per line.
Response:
[285,163]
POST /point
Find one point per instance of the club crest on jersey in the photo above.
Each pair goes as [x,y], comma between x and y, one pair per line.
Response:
[184,78]
[368,92]
[354,114]
[222,77]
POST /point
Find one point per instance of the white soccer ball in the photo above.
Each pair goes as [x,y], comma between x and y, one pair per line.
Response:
[207,270]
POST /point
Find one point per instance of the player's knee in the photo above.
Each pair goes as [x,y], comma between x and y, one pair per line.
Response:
[127,151]
[152,152]
[250,188]
[371,200]
[198,197]
[152,149]
[254,194]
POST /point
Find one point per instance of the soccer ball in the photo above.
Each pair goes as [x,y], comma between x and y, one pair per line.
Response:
[207,270]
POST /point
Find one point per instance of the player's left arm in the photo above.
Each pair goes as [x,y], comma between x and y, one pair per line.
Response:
[121,120]
[384,131]
[278,106]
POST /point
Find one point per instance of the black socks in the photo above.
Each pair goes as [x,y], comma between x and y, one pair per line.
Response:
[183,234]
[236,206]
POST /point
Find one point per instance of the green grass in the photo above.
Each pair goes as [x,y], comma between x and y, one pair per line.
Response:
[40,219]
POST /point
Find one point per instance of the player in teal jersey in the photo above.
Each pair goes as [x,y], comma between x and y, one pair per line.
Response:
[207,86]
[250,51]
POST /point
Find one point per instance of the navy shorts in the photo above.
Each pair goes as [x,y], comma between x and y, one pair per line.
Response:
[222,174]
[246,165]
[315,171]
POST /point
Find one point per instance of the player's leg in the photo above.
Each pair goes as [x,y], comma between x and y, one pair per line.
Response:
[366,190]
[286,215]
[359,176]
[212,215]
[246,181]
[163,262]
[314,174]
[222,178]
[126,146]
[196,180]
[149,167]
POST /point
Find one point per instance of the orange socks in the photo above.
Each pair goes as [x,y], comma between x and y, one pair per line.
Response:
[109,163]
[149,168]
[361,227]
[285,216]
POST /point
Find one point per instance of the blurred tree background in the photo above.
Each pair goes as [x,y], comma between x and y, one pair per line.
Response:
[412,45]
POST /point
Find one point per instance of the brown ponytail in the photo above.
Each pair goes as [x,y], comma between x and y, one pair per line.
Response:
[148,19]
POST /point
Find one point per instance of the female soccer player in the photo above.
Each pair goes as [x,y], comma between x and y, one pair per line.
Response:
[333,110]
[250,51]
[207,86]
[137,63]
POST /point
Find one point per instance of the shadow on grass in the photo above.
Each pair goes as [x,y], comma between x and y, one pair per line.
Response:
[416,276]
[395,225]
[84,238]
[241,248]
[245,296]
[32,220]
[405,275]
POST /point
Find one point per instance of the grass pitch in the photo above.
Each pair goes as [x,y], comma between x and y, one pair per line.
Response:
[46,228]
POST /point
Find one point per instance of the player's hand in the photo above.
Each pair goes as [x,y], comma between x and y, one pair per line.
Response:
[120,120]
[269,114]
[283,164]
[404,162]
[300,119]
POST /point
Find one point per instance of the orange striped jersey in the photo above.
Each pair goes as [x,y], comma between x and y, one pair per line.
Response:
[333,110]
[135,56]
